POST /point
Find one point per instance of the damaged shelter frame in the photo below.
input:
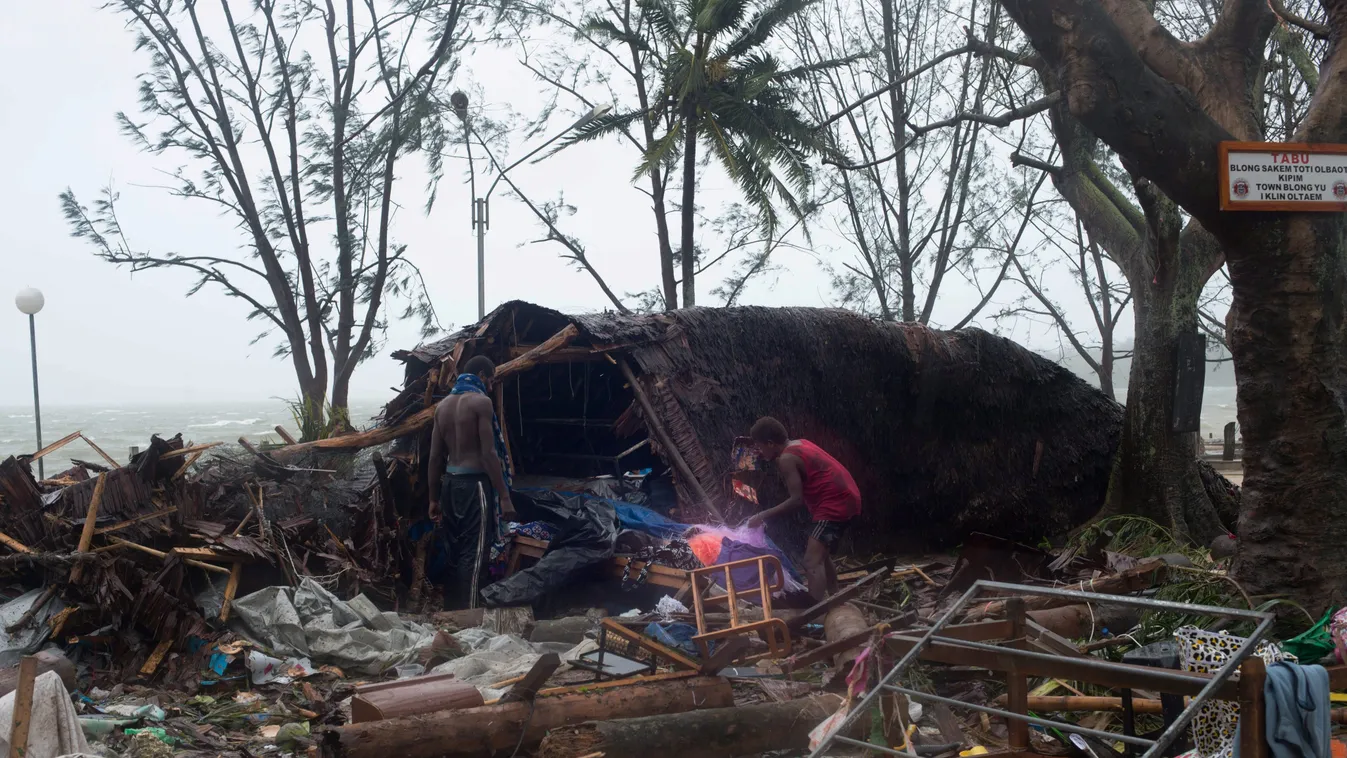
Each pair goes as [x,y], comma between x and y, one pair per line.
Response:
[1008,657]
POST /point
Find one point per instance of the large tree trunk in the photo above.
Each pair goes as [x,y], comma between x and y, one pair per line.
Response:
[689,207]
[1288,319]
[1156,473]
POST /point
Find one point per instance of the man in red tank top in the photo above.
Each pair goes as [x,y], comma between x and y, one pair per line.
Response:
[817,481]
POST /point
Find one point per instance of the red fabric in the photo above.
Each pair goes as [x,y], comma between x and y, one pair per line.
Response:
[830,493]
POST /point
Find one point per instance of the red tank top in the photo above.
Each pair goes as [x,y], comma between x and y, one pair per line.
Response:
[830,493]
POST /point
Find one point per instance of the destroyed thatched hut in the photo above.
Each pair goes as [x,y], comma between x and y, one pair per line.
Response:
[945,432]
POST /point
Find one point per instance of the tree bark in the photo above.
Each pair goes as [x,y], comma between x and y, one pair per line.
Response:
[689,206]
[714,733]
[1290,350]
[1122,77]
[1155,472]
[491,729]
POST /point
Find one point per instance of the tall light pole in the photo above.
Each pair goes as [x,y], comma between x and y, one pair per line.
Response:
[30,301]
[481,215]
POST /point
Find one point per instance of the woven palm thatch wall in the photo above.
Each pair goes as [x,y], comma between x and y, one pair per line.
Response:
[945,432]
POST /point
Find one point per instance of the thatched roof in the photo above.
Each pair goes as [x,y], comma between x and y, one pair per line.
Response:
[945,432]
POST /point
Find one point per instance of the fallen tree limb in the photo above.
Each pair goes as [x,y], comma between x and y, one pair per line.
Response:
[480,732]
[426,416]
[714,733]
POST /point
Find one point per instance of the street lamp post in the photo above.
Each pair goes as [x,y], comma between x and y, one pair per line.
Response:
[30,301]
[481,206]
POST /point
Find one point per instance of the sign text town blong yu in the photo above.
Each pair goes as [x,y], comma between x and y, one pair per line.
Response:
[1271,176]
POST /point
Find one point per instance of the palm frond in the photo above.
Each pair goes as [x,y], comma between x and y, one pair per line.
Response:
[757,31]
[597,129]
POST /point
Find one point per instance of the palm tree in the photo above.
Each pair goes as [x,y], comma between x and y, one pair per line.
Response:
[718,86]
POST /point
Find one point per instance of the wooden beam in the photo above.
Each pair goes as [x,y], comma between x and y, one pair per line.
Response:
[283,434]
[53,447]
[527,687]
[87,536]
[564,355]
[157,657]
[231,589]
[23,708]
[100,452]
[656,426]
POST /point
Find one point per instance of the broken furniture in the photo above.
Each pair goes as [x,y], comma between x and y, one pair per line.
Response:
[774,630]
[409,697]
[968,645]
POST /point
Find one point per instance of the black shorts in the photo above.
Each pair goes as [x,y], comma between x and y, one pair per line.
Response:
[828,532]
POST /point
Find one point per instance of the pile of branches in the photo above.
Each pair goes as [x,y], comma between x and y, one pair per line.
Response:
[143,559]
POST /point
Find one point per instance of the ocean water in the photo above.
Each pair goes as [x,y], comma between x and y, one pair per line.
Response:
[116,429]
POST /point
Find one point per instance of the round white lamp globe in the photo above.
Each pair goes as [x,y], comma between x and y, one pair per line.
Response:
[29,300]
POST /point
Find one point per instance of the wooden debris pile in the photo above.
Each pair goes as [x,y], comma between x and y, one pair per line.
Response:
[140,561]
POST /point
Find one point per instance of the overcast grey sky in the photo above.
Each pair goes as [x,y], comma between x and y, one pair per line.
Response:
[108,337]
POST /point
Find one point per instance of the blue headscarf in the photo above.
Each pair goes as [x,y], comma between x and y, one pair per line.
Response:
[471,383]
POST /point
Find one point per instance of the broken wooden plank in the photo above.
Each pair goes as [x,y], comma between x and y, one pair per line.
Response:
[23,708]
[528,686]
[156,657]
[90,518]
[133,521]
[283,434]
[197,552]
[53,447]
[100,452]
[231,589]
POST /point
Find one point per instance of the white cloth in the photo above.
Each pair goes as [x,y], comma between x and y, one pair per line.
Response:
[53,729]
[493,658]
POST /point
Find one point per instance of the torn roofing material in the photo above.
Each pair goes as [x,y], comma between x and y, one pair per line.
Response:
[945,432]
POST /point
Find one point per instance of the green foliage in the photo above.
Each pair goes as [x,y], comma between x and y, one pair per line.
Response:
[317,420]
[716,79]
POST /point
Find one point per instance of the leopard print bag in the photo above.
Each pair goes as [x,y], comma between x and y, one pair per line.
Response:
[1205,652]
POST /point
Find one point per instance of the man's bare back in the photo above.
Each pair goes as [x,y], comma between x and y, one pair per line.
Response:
[465,439]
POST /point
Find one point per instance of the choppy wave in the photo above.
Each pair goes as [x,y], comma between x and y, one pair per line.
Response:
[226,422]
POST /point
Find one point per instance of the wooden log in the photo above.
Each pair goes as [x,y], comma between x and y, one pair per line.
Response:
[656,426]
[712,733]
[412,697]
[87,536]
[23,708]
[481,732]
[846,621]
[285,435]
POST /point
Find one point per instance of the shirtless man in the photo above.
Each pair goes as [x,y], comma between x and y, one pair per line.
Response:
[468,492]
